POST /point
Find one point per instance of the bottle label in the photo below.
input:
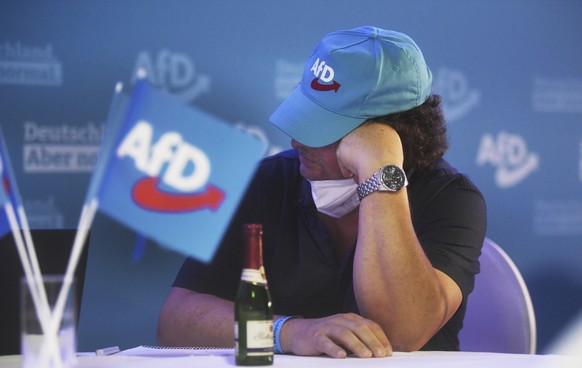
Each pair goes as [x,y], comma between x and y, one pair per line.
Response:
[254,276]
[259,338]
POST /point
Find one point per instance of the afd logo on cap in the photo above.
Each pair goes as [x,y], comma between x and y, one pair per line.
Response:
[187,172]
[323,76]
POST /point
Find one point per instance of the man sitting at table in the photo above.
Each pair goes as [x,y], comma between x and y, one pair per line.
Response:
[369,235]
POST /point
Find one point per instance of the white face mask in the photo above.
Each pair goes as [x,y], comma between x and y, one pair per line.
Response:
[335,198]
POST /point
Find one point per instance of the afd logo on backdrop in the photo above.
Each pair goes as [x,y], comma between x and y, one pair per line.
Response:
[187,172]
[510,155]
[459,98]
[175,72]
[29,65]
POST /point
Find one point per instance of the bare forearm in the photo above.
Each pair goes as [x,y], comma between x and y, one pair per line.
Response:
[394,283]
[194,319]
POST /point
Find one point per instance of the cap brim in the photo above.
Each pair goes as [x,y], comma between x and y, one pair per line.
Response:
[310,124]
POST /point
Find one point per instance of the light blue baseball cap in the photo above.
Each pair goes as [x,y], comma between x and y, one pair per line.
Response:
[352,76]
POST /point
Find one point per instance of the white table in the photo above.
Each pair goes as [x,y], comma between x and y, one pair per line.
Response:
[399,360]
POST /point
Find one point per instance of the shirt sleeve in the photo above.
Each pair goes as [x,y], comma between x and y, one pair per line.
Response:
[451,225]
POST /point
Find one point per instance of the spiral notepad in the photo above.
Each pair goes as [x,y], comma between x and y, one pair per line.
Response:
[174,351]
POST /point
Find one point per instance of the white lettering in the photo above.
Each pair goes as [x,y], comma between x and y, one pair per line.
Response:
[176,174]
[488,151]
[315,67]
[182,71]
[172,71]
[458,96]
[514,148]
[144,62]
[509,154]
[19,51]
[327,75]
[163,65]
[319,68]
[64,133]
[55,158]
[456,86]
[322,71]
[162,152]
[188,167]
[136,144]
[29,65]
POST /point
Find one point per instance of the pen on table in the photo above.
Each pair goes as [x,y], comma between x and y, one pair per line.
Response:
[107,351]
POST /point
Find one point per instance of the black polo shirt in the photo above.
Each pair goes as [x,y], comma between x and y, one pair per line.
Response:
[304,275]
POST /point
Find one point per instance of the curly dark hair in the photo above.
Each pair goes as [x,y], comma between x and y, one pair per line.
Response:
[422,131]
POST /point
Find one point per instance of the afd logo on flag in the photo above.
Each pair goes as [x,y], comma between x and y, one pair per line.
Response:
[166,170]
[186,174]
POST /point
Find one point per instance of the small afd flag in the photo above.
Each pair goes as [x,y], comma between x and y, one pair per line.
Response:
[4,225]
[172,172]
[8,188]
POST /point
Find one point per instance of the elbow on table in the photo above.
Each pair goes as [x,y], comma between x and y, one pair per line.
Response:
[162,336]
[170,323]
[408,344]
[414,334]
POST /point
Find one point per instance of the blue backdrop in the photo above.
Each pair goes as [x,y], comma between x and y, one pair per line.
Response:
[509,72]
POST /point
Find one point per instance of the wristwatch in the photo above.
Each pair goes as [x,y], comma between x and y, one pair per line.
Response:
[389,178]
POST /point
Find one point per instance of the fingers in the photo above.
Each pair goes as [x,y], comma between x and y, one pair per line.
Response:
[384,342]
[338,336]
[326,346]
[360,336]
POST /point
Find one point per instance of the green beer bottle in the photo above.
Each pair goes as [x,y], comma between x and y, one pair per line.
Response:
[253,310]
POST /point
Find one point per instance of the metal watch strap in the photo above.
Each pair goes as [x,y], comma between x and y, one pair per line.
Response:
[369,186]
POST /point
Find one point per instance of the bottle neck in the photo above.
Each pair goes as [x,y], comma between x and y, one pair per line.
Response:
[253,270]
[253,254]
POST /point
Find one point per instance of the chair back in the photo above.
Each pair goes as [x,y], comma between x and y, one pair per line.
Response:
[500,316]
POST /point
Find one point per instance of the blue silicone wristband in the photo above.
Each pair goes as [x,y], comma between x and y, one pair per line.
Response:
[277,332]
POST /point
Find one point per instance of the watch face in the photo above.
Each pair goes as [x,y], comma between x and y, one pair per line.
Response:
[393,177]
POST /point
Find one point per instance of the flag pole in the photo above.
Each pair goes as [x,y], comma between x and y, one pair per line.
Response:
[89,208]
[37,290]
[25,248]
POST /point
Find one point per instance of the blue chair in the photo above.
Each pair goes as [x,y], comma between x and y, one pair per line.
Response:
[500,316]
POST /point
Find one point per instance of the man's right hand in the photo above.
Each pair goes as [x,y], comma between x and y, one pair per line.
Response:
[336,336]
[367,148]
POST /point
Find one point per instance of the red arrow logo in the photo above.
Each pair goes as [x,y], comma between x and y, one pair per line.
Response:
[147,195]
[324,87]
